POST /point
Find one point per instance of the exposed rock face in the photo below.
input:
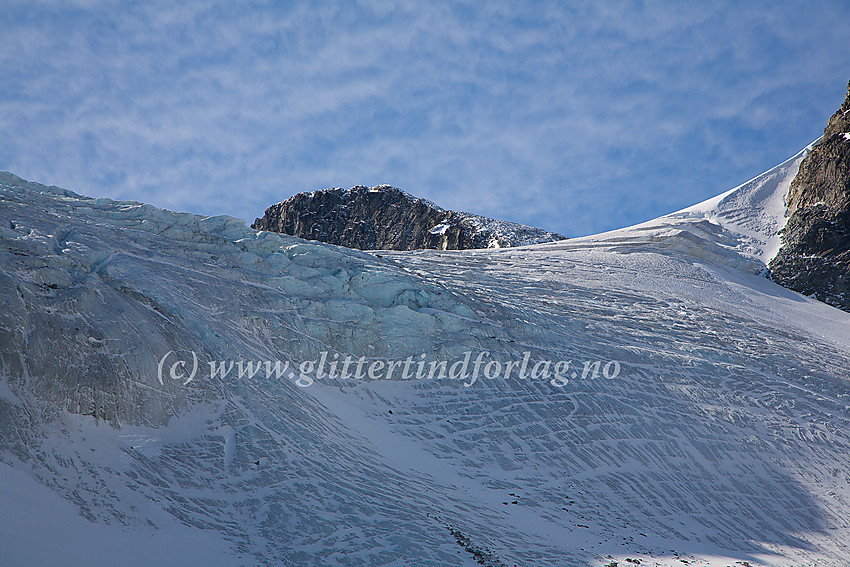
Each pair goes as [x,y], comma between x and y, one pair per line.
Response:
[387,218]
[815,256]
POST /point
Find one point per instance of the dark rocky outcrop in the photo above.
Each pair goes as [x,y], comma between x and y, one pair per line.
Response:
[387,218]
[815,255]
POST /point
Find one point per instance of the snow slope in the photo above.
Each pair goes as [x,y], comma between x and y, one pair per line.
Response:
[738,228]
[724,438]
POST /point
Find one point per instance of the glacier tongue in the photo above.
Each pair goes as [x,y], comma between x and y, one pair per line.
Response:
[723,438]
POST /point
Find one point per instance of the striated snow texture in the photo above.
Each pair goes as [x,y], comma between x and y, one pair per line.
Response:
[723,438]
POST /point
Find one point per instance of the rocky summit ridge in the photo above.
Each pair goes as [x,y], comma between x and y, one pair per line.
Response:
[386,218]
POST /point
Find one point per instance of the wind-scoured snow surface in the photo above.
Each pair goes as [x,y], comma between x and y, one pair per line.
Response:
[724,438]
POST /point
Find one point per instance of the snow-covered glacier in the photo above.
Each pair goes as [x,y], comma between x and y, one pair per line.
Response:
[720,435]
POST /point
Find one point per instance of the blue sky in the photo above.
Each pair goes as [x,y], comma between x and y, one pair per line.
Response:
[577,117]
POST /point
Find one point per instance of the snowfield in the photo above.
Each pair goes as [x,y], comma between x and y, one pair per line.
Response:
[723,439]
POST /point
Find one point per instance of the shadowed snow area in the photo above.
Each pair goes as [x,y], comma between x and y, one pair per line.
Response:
[723,437]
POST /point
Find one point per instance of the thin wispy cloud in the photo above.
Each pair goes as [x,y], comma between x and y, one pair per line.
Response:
[577,117]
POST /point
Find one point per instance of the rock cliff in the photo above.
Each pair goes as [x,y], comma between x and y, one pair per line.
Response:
[815,256]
